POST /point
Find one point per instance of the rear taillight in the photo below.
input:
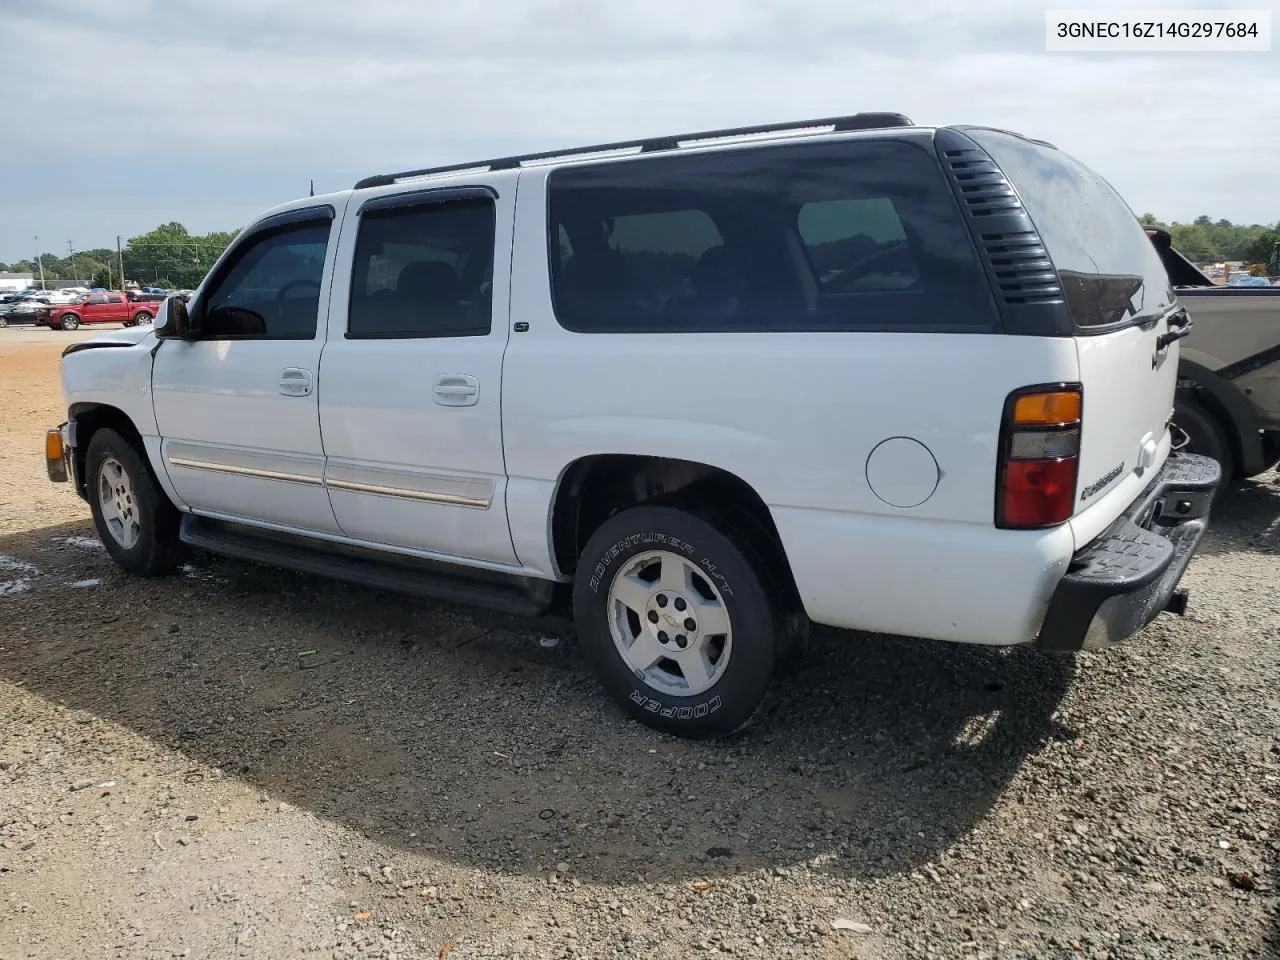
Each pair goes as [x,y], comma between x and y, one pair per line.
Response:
[1039,456]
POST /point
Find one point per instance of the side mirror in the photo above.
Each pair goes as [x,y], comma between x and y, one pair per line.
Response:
[174,321]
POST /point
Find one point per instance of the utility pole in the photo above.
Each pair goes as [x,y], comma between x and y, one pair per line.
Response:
[39,261]
[120,262]
[71,255]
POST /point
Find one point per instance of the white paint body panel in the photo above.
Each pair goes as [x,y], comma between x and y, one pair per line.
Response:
[382,427]
[119,377]
[796,417]
[1128,399]
[225,421]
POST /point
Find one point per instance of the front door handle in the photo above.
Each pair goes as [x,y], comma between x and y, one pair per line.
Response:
[456,390]
[295,382]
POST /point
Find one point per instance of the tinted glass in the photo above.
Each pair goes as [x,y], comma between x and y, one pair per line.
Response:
[1110,271]
[114,298]
[846,235]
[95,301]
[424,271]
[272,288]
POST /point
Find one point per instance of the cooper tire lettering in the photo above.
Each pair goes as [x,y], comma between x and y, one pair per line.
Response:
[727,559]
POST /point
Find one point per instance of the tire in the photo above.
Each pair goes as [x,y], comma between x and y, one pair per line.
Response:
[134,518]
[142,317]
[1202,433]
[4,321]
[678,563]
[69,321]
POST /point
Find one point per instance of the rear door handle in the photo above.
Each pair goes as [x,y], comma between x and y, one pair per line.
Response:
[456,390]
[295,382]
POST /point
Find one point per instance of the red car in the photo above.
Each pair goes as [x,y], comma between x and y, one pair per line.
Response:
[110,307]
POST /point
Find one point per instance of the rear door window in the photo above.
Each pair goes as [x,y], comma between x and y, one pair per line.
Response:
[1111,274]
[424,271]
[841,235]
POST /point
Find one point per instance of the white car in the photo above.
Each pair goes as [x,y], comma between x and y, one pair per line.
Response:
[59,297]
[703,389]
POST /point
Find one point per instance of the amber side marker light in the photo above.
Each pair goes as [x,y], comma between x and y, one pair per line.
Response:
[55,456]
[1039,456]
[53,449]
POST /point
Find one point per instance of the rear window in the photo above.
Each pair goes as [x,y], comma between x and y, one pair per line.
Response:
[1111,274]
[846,235]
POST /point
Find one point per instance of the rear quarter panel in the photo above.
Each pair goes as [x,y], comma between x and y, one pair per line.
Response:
[796,416]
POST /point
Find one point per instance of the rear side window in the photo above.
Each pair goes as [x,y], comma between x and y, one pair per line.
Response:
[845,235]
[1111,274]
[424,271]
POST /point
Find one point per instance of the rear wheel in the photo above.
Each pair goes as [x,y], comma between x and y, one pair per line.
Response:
[676,621]
[135,520]
[142,317]
[69,321]
[1196,430]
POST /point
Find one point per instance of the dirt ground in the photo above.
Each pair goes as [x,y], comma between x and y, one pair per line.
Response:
[241,762]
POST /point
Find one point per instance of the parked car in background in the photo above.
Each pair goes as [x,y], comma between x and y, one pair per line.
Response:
[1248,281]
[1228,399]
[112,307]
[61,296]
[17,312]
[141,296]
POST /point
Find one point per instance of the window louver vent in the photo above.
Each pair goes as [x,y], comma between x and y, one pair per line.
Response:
[983,186]
[1022,267]
[1018,259]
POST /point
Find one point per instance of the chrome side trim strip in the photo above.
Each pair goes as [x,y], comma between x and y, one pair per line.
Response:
[449,498]
[244,471]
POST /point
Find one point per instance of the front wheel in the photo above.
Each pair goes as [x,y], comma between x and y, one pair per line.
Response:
[676,621]
[135,520]
[69,321]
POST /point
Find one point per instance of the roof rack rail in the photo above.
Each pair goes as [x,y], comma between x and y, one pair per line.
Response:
[856,121]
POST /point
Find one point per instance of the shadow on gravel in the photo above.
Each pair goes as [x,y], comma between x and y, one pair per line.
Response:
[454,733]
[1248,519]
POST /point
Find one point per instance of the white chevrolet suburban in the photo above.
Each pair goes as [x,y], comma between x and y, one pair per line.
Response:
[707,389]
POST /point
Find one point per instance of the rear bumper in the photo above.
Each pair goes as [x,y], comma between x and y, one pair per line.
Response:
[1119,582]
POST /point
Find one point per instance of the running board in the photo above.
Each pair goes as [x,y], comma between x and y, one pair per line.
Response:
[504,593]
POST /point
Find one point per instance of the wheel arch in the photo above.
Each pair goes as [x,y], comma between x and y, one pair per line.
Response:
[89,418]
[593,488]
[1226,403]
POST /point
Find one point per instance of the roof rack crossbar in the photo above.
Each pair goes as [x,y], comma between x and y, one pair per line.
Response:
[856,121]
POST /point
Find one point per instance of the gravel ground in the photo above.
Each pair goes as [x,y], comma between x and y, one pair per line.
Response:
[241,762]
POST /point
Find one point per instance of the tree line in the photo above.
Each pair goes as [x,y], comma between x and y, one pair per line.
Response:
[1205,240]
[169,256]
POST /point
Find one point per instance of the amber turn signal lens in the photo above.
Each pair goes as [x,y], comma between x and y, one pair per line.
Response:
[1055,407]
[53,445]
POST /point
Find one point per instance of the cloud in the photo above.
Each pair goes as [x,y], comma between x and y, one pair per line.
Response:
[250,93]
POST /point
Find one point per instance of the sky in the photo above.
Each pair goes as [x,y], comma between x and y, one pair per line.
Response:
[124,114]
